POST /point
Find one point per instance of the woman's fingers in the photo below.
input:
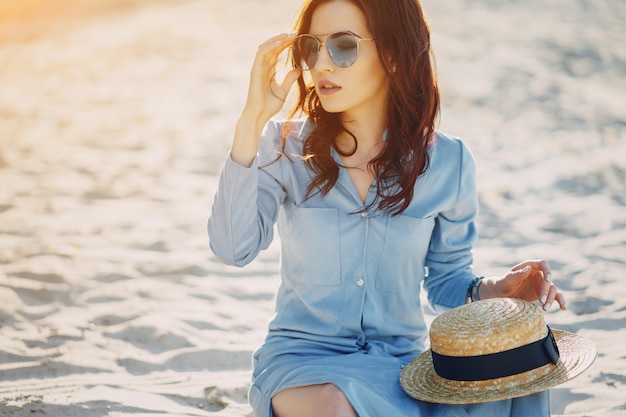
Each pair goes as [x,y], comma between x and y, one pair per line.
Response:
[540,270]
[553,295]
[548,293]
[270,50]
[560,298]
[537,265]
[276,40]
[264,68]
[265,95]
[548,296]
[291,78]
[539,274]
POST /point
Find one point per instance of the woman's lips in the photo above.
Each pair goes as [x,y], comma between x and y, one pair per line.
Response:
[326,87]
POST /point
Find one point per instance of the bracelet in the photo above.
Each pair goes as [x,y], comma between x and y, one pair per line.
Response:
[472,291]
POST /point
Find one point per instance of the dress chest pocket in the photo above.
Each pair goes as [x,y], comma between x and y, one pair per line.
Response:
[310,246]
[401,266]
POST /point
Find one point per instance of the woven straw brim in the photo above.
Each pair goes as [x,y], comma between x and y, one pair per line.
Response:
[420,381]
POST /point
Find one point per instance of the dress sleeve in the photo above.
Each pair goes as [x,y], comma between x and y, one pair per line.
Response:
[449,259]
[246,204]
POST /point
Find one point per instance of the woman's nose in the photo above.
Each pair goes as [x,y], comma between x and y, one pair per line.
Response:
[324,61]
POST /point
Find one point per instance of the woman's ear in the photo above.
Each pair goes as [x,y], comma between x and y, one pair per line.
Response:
[390,63]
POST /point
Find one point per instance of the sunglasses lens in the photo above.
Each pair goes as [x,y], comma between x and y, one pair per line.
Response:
[343,49]
[305,49]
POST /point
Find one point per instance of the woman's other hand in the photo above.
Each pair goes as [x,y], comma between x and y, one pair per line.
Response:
[528,280]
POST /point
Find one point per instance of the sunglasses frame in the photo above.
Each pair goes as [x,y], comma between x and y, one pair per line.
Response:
[335,35]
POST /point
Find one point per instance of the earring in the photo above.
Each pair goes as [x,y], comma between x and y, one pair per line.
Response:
[393,69]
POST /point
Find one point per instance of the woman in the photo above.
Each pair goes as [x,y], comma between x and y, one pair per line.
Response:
[370,201]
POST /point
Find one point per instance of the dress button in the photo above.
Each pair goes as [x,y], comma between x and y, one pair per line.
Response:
[360,282]
[364,215]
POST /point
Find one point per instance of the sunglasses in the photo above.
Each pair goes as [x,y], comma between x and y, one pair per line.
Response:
[343,48]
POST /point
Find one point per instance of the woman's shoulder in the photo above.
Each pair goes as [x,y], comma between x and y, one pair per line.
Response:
[450,158]
[448,142]
[449,149]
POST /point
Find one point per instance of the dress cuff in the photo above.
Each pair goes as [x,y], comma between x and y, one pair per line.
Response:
[234,165]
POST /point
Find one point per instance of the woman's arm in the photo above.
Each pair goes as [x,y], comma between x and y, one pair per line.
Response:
[265,98]
[449,259]
[246,204]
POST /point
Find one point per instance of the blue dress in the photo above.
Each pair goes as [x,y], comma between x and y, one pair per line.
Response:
[348,309]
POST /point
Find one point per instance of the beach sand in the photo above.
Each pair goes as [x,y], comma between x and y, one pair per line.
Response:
[116,116]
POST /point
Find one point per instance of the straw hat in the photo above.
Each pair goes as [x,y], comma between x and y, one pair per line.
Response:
[493,350]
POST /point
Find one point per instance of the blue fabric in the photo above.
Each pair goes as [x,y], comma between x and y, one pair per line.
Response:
[348,308]
[370,380]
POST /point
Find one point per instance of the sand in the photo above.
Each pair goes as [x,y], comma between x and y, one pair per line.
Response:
[115,118]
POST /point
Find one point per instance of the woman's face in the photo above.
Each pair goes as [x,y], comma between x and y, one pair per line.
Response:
[361,88]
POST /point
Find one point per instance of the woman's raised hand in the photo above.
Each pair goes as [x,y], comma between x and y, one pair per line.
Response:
[266,95]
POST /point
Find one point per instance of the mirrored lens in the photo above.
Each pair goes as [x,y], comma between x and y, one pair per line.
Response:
[343,49]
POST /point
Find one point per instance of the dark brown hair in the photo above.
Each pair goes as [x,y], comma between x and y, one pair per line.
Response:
[403,42]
